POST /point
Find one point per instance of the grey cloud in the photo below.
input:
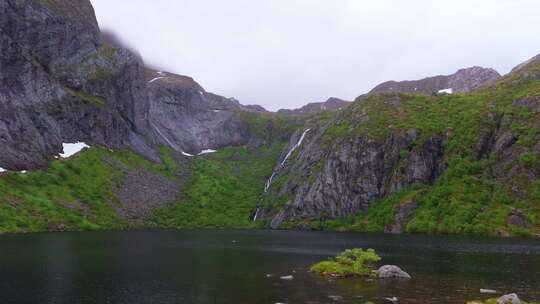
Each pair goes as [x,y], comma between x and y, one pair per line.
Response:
[285,53]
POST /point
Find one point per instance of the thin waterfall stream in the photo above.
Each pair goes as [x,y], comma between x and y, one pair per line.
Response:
[269,181]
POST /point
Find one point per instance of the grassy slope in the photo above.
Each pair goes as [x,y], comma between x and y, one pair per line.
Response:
[466,198]
[224,191]
[79,193]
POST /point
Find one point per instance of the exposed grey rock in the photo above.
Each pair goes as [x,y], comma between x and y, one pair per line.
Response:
[255,108]
[59,82]
[392,271]
[517,219]
[335,298]
[63,81]
[487,291]
[315,107]
[402,218]
[509,298]
[347,177]
[463,81]
[185,117]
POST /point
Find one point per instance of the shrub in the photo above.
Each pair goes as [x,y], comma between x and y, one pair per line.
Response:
[351,262]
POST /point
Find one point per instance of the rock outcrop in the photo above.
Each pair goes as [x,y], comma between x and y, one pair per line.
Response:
[463,81]
[185,117]
[509,298]
[345,164]
[315,107]
[392,271]
[62,81]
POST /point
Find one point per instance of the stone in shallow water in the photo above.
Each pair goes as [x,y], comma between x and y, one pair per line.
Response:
[335,298]
[487,291]
[509,298]
[289,277]
[392,271]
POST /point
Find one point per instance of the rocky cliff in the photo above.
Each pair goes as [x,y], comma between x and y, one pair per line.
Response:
[185,117]
[61,82]
[397,161]
[463,81]
[311,108]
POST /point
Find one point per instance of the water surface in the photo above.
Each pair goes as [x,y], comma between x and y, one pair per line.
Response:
[228,266]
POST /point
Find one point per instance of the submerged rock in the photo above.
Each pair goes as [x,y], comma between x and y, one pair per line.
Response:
[392,271]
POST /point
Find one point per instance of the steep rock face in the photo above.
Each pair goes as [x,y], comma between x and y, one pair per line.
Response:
[347,174]
[189,119]
[60,83]
[463,81]
[388,142]
[315,107]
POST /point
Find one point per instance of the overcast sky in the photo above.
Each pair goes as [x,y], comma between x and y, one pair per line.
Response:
[285,53]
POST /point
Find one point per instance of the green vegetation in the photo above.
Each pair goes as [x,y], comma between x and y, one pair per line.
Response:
[72,194]
[79,193]
[478,190]
[351,262]
[495,301]
[224,191]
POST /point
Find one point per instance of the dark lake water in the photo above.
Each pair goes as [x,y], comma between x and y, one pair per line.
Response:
[228,266]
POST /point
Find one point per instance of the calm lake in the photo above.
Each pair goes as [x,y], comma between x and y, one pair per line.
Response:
[230,266]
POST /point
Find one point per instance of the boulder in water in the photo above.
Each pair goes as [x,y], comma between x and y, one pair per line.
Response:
[509,298]
[392,271]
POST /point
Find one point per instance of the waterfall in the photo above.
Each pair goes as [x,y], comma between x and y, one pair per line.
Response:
[294,148]
[269,181]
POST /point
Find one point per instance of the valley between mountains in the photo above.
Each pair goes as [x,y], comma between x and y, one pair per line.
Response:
[456,154]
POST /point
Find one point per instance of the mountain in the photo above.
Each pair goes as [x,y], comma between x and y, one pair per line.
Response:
[315,107]
[463,81]
[400,162]
[63,83]
[161,151]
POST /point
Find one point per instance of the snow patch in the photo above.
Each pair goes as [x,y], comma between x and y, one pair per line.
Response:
[72,149]
[206,151]
[2,170]
[187,154]
[157,78]
[217,111]
[24,171]
[445,91]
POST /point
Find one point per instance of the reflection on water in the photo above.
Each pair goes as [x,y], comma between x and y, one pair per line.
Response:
[227,266]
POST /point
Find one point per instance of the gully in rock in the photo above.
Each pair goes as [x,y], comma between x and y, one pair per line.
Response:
[269,181]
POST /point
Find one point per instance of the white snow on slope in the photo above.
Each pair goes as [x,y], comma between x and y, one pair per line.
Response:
[157,78]
[72,149]
[186,154]
[2,170]
[447,91]
[206,151]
